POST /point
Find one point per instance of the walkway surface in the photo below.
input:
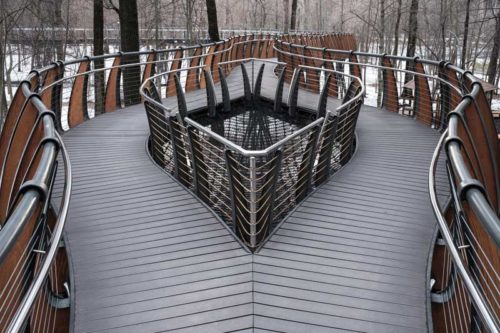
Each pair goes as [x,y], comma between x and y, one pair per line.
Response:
[147,256]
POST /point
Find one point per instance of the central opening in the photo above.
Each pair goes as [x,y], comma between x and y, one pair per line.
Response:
[255,138]
[254,125]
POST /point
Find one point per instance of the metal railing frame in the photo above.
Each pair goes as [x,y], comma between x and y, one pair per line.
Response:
[25,208]
[253,154]
[473,193]
[475,197]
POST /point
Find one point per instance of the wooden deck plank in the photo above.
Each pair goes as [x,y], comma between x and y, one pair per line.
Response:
[364,236]
[147,256]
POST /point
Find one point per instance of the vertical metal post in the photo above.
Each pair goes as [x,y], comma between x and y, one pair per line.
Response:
[253,82]
[253,202]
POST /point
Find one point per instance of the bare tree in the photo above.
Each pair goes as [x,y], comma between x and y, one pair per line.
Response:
[129,42]
[213,26]
[466,35]
[98,50]
[293,18]
[188,7]
[286,4]
[381,47]
[396,28]
[495,50]
[412,29]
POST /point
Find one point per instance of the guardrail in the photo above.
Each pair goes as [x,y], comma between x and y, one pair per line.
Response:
[35,292]
[464,269]
[251,168]
[463,185]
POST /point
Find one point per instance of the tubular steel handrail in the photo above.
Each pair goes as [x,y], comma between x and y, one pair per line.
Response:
[36,192]
[57,235]
[470,189]
[472,287]
[250,227]
[253,153]
[42,83]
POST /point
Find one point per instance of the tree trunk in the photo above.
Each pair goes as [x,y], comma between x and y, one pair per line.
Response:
[129,38]
[381,47]
[442,19]
[412,41]
[157,24]
[286,5]
[213,27]
[293,18]
[189,19]
[412,29]
[492,66]
[342,16]
[466,36]
[396,28]
[99,50]
[3,99]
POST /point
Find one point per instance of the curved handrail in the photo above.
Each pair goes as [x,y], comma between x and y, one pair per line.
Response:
[57,235]
[36,192]
[470,189]
[476,296]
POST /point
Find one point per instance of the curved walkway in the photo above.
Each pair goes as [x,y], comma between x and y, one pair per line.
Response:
[147,256]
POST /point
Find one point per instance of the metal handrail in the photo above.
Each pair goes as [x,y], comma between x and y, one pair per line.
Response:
[57,235]
[26,207]
[473,195]
[476,296]
[252,153]
[428,76]
[228,143]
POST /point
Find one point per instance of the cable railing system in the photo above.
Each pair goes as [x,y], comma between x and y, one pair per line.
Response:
[251,168]
[244,143]
[34,278]
[463,177]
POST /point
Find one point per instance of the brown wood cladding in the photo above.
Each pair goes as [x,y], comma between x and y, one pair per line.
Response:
[113,100]
[15,153]
[10,285]
[423,98]
[390,100]
[150,67]
[175,65]
[77,111]
[192,78]
[16,109]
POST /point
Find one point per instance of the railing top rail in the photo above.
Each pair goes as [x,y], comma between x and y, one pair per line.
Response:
[253,153]
[473,289]
[252,59]
[232,145]
[57,234]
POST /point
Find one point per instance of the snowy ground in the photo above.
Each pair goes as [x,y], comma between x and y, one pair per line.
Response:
[22,67]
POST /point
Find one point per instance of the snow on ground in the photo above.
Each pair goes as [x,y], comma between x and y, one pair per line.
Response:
[22,67]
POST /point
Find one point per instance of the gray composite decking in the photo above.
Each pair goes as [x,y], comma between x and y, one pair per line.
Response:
[147,256]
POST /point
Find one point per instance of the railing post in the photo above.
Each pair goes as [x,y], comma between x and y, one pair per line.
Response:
[253,202]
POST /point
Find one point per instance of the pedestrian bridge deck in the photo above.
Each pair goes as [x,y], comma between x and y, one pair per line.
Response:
[148,256]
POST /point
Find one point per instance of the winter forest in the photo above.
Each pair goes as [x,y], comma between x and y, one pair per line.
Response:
[34,33]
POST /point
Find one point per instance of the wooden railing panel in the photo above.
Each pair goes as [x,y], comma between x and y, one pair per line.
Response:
[150,67]
[175,65]
[6,136]
[193,78]
[77,111]
[113,98]
[390,98]
[423,98]
[16,148]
